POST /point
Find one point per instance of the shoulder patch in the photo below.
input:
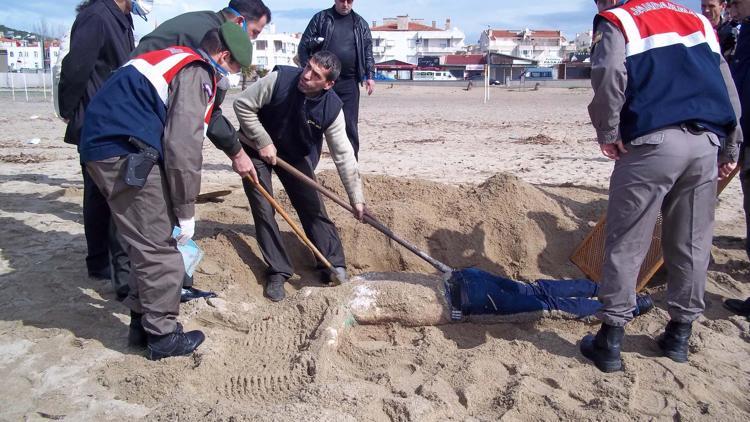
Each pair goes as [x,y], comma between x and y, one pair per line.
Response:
[597,37]
[208,90]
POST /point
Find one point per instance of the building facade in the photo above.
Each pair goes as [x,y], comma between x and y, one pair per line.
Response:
[407,40]
[29,56]
[271,49]
[547,47]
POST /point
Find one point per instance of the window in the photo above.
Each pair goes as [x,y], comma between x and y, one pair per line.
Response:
[36,54]
[277,45]
[261,45]
[11,54]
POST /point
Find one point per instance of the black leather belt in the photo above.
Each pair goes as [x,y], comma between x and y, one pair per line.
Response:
[694,127]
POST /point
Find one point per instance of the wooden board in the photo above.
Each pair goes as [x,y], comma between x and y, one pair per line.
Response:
[589,255]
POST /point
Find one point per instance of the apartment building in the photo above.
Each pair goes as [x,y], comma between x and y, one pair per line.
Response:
[405,39]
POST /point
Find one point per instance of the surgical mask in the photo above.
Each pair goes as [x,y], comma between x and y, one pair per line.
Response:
[244,21]
[219,68]
[142,8]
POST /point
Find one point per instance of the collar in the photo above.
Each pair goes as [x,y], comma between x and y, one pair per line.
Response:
[125,19]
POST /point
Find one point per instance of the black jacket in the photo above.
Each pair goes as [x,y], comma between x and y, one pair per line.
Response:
[740,67]
[321,26]
[101,40]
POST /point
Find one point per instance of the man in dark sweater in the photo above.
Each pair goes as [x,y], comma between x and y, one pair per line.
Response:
[101,40]
[343,32]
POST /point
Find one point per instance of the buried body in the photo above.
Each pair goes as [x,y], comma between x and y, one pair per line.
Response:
[414,300]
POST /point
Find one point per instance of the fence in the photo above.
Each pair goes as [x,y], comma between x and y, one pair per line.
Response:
[21,85]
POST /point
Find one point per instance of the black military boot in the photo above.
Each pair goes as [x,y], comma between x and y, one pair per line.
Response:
[177,343]
[137,336]
[604,348]
[674,341]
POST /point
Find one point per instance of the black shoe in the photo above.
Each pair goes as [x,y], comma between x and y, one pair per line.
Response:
[274,289]
[331,277]
[177,343]
[191,293]
[674,341]
[739,307]
[137,336]
[643,304]
[604,348]
[103,274]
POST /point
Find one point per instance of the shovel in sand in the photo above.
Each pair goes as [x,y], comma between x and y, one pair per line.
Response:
[461,286]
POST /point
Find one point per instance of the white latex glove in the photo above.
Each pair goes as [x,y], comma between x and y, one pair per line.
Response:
[187,230]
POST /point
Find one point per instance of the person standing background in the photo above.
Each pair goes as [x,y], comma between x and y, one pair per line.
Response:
[346,34]
[101,41]
[715,11]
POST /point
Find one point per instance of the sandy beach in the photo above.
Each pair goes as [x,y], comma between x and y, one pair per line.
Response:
[511,187]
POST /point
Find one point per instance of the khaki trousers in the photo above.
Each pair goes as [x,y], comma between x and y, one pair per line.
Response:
[145,220]
[678,178]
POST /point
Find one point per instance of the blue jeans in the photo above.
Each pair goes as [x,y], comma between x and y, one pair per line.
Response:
[484,293]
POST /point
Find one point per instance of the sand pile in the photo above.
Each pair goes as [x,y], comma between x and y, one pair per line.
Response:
[503,225]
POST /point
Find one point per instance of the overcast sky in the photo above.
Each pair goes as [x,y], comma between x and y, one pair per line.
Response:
[472,17]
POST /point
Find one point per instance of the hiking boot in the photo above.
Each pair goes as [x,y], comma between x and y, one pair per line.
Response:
[330,277]
[191,293]
[674,341]
[177,343]
[274,289]
[739,307]
[604,348]
[137,336]
[643,304]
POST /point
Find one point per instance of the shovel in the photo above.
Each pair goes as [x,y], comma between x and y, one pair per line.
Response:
[369,219]
[461,286]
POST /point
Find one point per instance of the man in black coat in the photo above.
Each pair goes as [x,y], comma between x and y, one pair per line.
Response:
[101,41]
[346,34]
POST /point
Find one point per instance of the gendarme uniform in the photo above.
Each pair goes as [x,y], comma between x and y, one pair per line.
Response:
[163,100]
[658,88]
[274,111]
[188,30]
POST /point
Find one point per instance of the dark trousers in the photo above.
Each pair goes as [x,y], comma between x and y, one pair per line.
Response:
[348,91]
[745,182]
[489,294]
[105,250]
[310,209]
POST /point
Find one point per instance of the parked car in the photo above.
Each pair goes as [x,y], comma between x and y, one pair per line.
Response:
[480,78]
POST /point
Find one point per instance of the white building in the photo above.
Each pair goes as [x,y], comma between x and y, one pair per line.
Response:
[407,40]
[548,47]
[583,40]
[271,49]
[23,55]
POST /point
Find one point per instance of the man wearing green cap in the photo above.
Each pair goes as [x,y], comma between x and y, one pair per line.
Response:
[141,142]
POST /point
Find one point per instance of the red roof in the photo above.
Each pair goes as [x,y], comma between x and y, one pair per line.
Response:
[542,33]
[464,59]
[411,27]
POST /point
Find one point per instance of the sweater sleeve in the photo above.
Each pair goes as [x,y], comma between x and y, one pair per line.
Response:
[342,154]
[247,106]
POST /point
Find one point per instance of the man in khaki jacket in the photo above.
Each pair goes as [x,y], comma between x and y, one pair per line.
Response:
[286,114]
